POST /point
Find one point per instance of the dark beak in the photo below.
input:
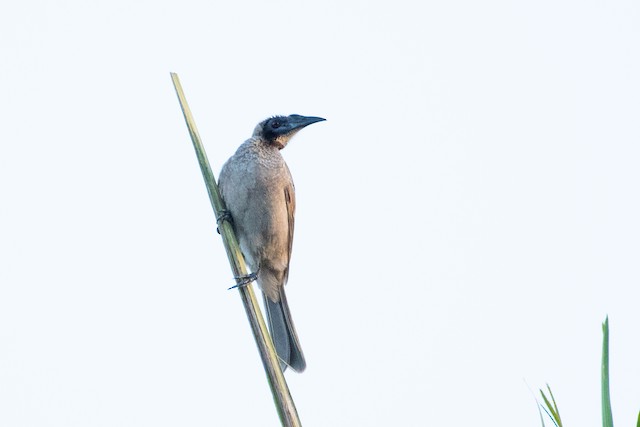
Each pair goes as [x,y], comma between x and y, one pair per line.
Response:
[298,122]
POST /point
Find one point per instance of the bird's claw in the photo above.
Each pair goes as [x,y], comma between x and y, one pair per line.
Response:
[224,215]
[242,281]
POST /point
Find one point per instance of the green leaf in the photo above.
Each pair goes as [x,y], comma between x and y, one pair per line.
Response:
[607,416]
[551,408]
[540,413]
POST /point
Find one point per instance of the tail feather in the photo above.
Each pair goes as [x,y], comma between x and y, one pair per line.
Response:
[284,334]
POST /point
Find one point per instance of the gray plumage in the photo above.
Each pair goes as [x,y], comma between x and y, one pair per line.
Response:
[257,188]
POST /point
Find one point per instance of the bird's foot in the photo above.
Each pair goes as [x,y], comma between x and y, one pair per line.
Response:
[224,215]
[242,281]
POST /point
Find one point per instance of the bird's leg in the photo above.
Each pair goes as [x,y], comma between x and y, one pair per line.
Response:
[242,281]
[224,215]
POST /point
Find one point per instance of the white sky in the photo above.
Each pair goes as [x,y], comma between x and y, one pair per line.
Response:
[467,216]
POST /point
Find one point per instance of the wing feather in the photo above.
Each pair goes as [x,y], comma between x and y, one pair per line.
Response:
[290,199]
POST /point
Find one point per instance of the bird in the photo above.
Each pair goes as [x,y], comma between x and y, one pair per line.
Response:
[257,189]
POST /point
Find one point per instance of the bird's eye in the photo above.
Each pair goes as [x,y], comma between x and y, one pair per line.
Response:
[275,124]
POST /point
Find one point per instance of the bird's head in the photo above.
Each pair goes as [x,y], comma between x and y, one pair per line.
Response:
[278,130]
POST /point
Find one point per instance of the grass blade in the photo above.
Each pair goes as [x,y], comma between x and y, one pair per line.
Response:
[551,408]
[541,416]
[607,416]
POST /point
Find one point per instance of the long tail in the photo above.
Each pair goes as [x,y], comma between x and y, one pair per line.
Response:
[284,334]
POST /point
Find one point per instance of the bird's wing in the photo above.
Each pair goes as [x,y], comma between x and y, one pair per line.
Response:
[290,199]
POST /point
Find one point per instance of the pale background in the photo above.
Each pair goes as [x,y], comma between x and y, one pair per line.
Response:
[467,216]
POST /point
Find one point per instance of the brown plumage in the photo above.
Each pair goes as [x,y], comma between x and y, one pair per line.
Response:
[258,191]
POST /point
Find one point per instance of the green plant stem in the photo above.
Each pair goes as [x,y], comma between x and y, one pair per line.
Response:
[281,395]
